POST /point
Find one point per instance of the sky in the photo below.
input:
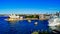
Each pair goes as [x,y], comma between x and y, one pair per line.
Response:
[29,6]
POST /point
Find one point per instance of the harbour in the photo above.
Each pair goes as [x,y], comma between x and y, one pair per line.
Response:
[23,27]
[13,24]
[29,16]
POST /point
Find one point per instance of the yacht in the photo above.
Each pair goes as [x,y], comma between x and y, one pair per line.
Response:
[54,23]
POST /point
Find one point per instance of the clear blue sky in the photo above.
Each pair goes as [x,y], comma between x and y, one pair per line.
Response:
[29,6]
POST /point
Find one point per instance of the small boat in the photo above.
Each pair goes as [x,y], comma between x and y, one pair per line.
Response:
[36,23]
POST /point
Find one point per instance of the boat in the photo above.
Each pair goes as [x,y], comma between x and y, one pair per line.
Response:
[54,23]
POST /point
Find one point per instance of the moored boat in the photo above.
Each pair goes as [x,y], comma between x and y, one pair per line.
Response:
[54,23]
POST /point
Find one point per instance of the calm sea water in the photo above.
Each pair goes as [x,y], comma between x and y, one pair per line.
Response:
[22,27]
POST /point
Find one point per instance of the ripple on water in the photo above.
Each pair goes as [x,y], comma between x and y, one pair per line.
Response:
[23,26]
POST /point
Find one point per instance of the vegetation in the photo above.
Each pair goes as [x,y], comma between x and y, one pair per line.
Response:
[32,16]
[40,33]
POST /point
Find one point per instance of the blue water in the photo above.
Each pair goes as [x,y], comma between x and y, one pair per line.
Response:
[22,27]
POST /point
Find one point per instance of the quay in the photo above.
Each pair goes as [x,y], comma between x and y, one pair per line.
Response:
[15,17]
